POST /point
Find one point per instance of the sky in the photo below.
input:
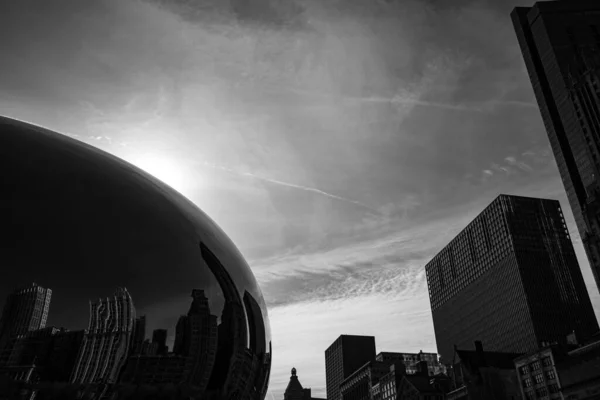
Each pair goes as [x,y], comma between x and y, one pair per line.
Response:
[339,143]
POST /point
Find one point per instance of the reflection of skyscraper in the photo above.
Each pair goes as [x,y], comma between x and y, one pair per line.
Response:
[26,309]
[202,330]
[106,343]
[257,331]
[256,324]
[233,339]
[560,42]
[139,334]
[159,336]
[193,356]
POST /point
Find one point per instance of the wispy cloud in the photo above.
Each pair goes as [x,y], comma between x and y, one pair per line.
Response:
[291,185]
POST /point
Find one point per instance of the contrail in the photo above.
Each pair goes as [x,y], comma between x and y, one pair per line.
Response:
[482,107]
[291,185]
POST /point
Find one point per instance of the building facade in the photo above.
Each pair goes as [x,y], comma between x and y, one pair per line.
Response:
[561,372]
[510,279]
[483,375]
[25,310]
[194,351]
[412,361]
[560,42]
[344,356]
[359,384]
[107,341]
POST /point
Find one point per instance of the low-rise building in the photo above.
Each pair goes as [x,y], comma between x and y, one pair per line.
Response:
[483,375]
[359,384]
[295,391]
[561,371]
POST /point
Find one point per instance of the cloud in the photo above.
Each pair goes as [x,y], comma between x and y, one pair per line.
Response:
[511,160]
[291,185]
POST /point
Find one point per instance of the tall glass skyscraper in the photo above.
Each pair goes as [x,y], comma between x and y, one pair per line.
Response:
[560,42]
[511,280]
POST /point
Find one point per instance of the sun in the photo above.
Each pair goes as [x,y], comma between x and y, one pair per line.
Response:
[165,169]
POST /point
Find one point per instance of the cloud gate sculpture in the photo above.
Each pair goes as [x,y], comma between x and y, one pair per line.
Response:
[115,286]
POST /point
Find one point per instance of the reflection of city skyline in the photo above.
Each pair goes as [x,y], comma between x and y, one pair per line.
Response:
[214,358]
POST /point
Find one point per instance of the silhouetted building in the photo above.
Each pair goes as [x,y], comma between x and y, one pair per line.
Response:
[359,384]
[65,350]
[421,386]
[25,310]
[560,42]
[139,335]
[230,373]
[414,387]
[569,371]
[387,387]
[411,361]
[159,336]
[294,389]
[344,356]
[483,375]
[194,351]
[46,355]
[106,342]
[510,279]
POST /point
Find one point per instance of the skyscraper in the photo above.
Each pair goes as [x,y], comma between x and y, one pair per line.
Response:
[159,336]
[345,355]
[25,310]
[560,42]
[509,279]
[106,343]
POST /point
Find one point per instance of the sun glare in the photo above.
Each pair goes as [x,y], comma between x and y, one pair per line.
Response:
[165,169]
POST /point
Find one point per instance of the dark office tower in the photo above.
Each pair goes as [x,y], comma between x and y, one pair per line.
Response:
[343,357]
[139,335]
[509,279]
[106,343]
[560,42]
[159,336]
[25,310]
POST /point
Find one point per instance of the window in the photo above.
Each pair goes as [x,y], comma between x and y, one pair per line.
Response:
[539,378]
[553,388]
[550,375]
[527,382]
[542,392]
[547,361]
[535,366]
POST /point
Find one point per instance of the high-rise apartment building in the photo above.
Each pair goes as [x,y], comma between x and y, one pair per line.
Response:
[347,354]
[560,42]
[511,280]
[107,341]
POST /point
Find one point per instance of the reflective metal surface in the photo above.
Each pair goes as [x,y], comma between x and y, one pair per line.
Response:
[115,286]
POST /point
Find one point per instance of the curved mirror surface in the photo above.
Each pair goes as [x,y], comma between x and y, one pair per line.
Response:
[114,285]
